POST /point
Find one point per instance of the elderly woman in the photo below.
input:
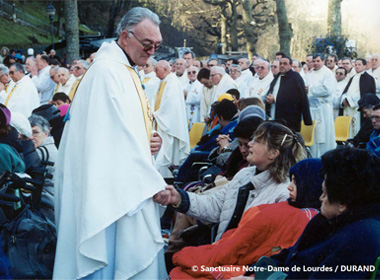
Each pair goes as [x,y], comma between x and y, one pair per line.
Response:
[46,150]
[343,240]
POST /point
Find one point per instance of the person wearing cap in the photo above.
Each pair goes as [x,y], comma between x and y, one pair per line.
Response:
[366,104]
[10,159]
[24,96]
[170,120]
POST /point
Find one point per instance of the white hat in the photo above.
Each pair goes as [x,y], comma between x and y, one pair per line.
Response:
[21,124]
[30,51]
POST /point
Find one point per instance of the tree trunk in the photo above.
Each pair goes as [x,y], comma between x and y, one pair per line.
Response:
[285,31]
[334,18]
[250,35]
[72,30]
[233,27]
[223,31]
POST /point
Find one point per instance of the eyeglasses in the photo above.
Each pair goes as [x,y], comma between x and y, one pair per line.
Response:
[191,72]
[146,47]
[35,132]
[273,66]
[259,67]
[339,73]
[376,118]
[11,72]
[234,71]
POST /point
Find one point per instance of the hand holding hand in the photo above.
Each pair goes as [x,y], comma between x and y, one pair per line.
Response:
[168,196]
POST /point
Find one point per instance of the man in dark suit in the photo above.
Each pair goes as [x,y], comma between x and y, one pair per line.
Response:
[286,98]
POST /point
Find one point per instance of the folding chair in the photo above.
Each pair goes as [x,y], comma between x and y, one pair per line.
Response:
[342,128]
[196,133]
[307,132]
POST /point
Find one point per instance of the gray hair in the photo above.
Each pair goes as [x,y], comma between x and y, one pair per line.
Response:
[36,120]
[219,70]
[299,63]
[4,69]
[235,65]
[55,69]
[151,59]
[84,63]
[19,67]
[65,70]
[134,16]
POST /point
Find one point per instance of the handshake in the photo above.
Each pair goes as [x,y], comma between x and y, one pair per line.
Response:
[168,196]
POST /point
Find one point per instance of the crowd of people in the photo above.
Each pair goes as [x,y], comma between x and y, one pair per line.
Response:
[116,127]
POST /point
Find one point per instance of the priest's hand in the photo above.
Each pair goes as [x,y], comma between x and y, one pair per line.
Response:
[155,143]
[168,196]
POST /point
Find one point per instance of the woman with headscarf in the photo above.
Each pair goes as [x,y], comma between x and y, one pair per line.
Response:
[263,230]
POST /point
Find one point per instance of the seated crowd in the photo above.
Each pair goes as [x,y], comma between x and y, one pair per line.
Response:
[257,194]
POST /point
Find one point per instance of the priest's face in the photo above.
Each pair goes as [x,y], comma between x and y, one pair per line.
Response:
[318,63]
[141,41]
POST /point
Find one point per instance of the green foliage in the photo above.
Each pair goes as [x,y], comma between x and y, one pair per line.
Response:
[332,44]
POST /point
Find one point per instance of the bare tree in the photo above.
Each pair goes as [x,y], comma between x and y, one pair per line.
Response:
[285,30]
[72,30]
[334,18]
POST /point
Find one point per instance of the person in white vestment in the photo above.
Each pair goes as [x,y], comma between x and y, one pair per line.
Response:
[171,123]
[23,98]
[375,70]
[66,81]
[246,74]
[259,87]
[235,73]
[359,85]
[208,92]
[181,71]
[193,93]
[6,83]
[42,81]
[321,89]
[151,82]
[107,223]
[340,76]
[222,82]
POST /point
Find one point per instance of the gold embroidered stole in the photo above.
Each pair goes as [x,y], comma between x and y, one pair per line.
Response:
[10,95]
[57,88]
[144,102]
[145,80]
[159,96]
[74,88]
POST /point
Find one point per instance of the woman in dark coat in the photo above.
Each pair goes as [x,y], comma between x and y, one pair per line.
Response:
[343,240]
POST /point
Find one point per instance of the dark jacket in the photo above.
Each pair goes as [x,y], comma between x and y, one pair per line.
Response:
[333,245]
[291,100]
[367,84]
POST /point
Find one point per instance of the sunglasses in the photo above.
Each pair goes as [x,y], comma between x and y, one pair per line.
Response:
[146,47]
[191,72]
[376,118]
[259,67]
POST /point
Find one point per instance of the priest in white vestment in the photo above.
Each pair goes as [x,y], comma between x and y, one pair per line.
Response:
[23,98]
[340,76]
[193,93]
[6,83]
[321,89]
[150,81]
[208,92]
[107,223]
[222,81]
[235,73]
[171,122]
[259,87]
[66,81]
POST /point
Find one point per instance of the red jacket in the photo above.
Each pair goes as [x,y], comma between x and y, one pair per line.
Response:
[263,231]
